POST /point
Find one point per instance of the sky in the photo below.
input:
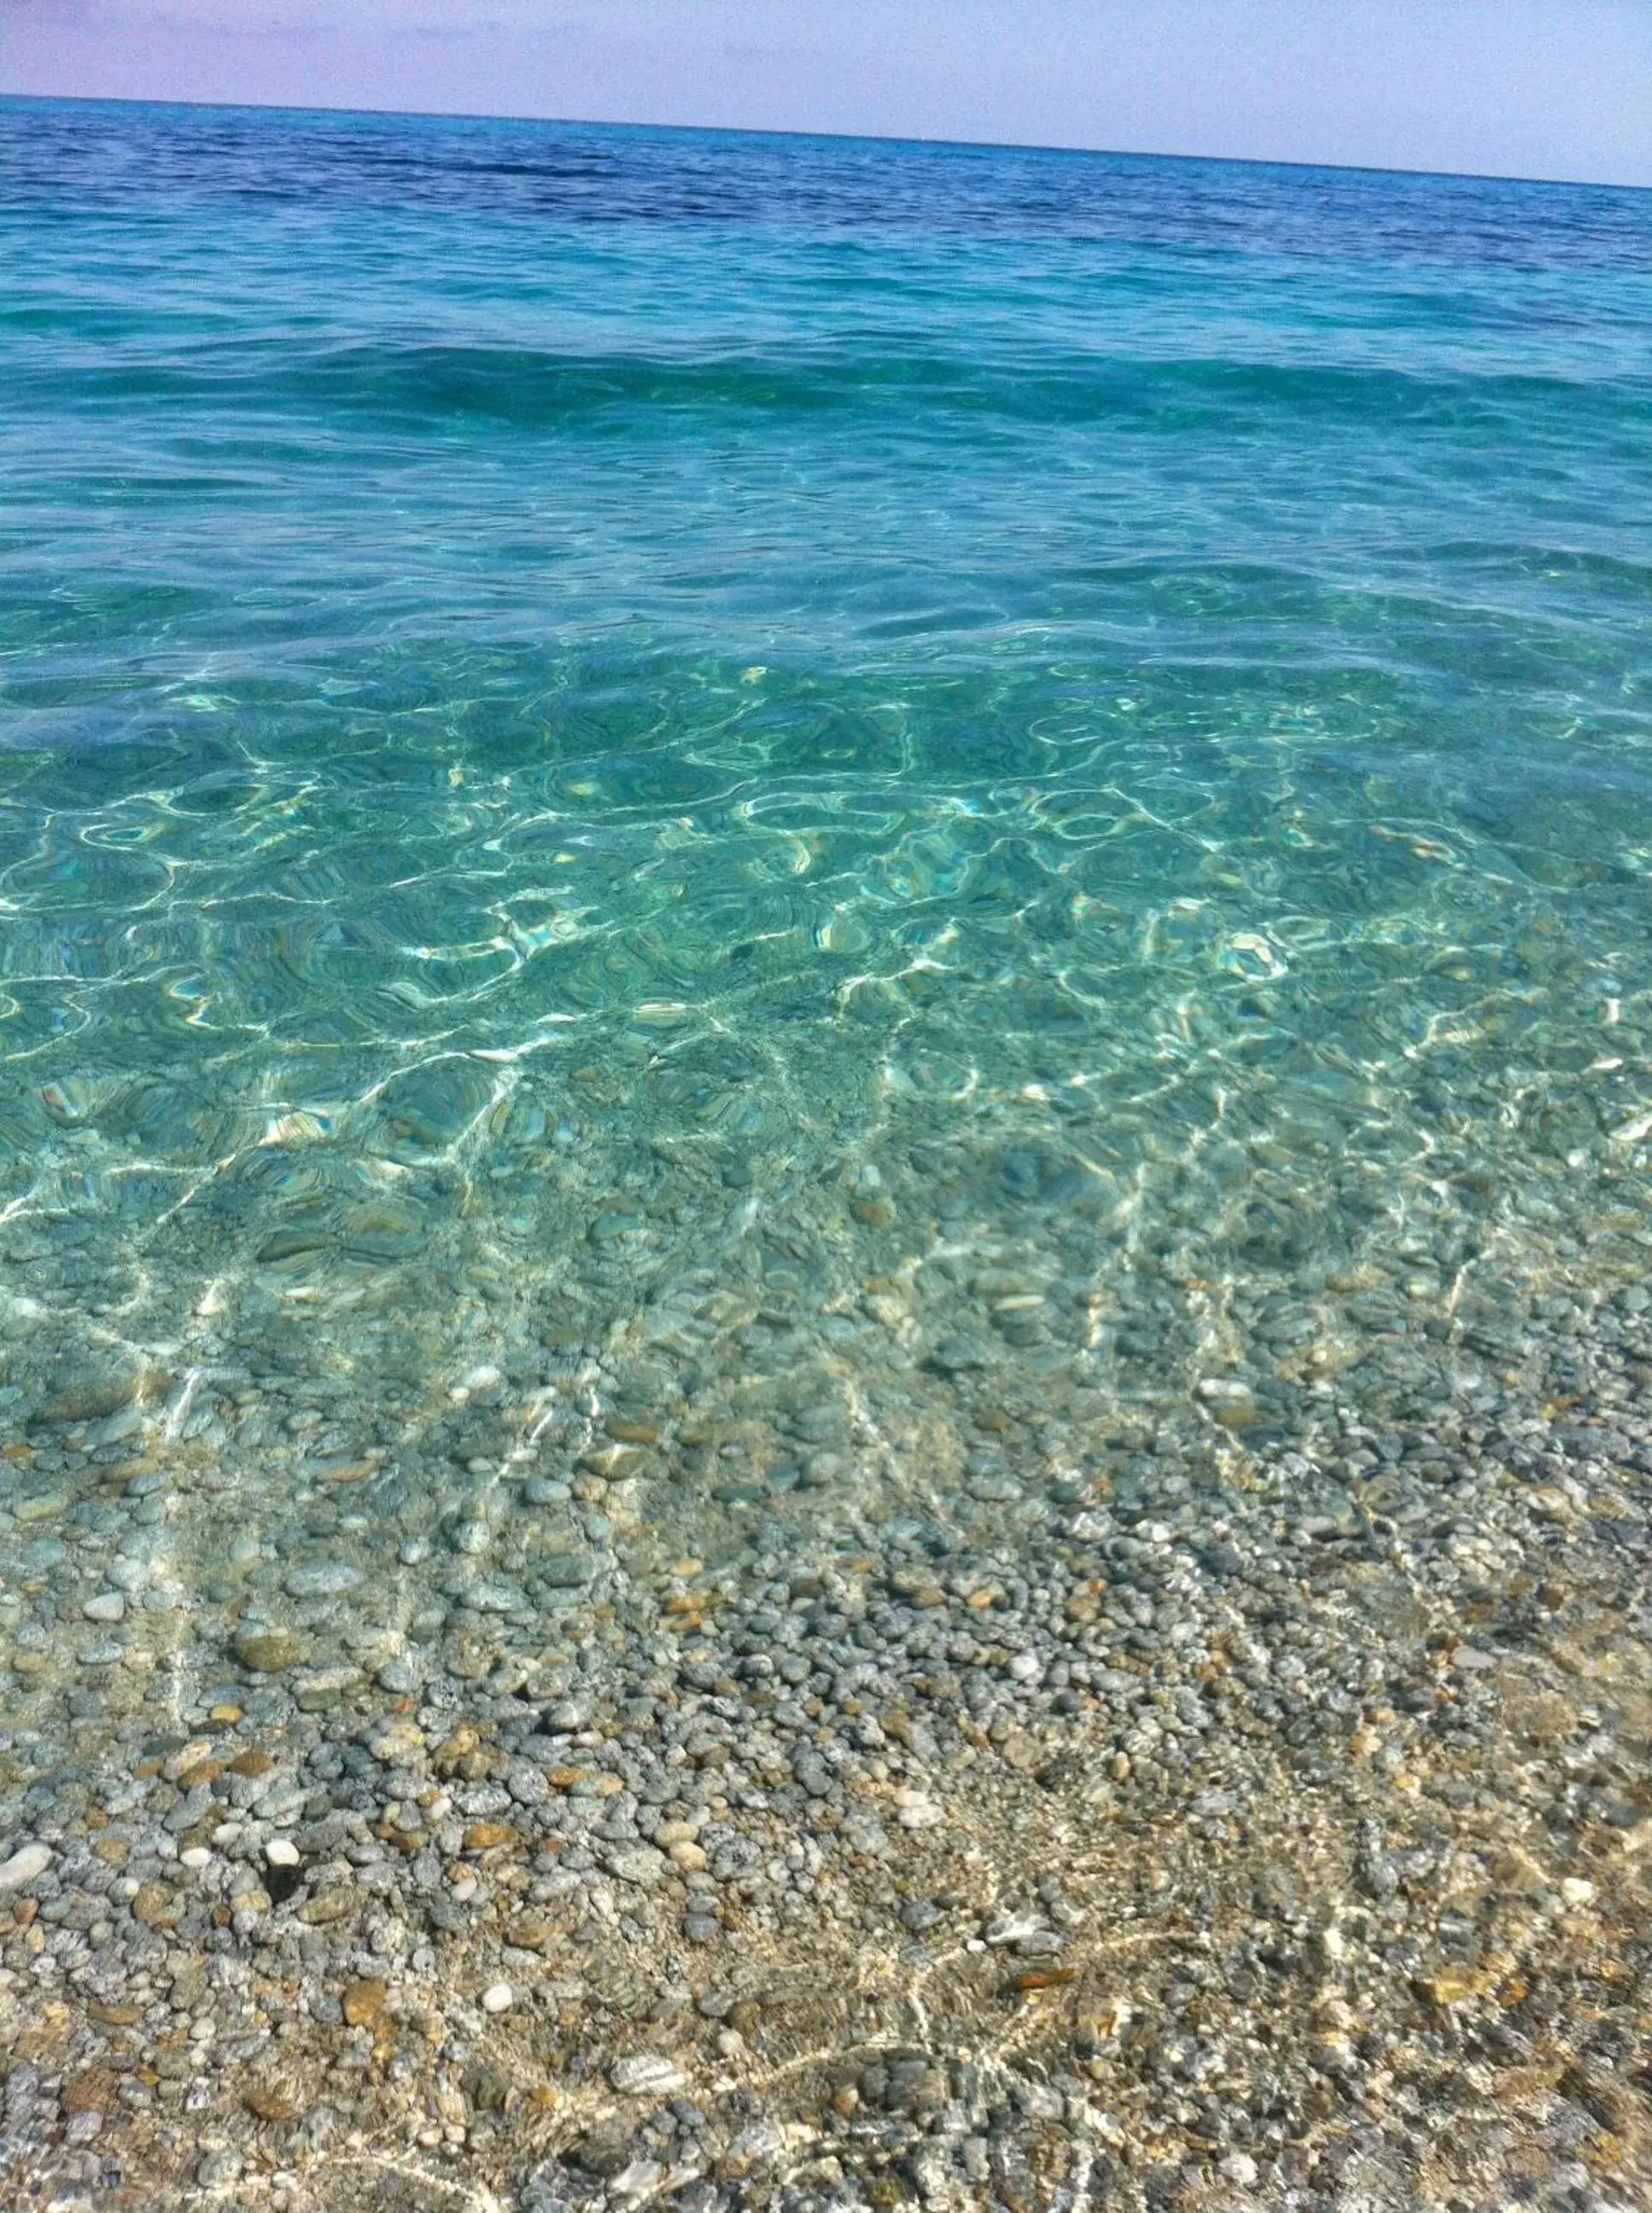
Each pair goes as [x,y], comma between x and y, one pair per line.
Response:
[1524,88]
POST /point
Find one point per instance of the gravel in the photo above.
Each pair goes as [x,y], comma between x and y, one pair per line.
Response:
[1199,1759]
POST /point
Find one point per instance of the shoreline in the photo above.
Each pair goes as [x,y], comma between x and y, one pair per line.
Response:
[1131,1827]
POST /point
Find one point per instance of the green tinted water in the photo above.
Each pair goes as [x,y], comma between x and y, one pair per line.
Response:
[715,771]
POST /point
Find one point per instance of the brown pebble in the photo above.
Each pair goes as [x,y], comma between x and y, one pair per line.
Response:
[363,2003]
[462,1744]
[121,2015]
[630,1433]
[529,1934]
[331,1905]
[1448,1986]
[154,1906]
[488,1836]
[90,2092]
[251,1763]
[268,2101]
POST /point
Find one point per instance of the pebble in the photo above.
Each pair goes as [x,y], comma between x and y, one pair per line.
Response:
[638,1863]
[26,1864]
[267,1652]
[323,1579]
[498,1997]
[956,1356]
[44,1506]
[647,2076]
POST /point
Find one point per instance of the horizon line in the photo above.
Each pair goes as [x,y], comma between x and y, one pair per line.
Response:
[841,138]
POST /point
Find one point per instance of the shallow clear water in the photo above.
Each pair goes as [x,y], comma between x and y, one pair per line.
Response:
[756,756]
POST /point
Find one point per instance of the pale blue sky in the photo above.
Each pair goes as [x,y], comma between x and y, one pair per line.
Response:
[1532,87]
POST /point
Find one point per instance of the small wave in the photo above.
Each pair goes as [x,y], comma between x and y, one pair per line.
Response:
[541,389]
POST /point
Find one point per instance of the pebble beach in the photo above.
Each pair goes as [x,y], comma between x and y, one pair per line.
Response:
[1229,1791]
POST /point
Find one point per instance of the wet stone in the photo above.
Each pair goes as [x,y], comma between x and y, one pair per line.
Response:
[24,1865]
[155,1904]
[90,1397]
[647,2076]
[956,1355]
[322,1579]
[268,1651]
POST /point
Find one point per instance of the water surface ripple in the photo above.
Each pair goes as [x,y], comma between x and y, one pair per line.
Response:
[599,720]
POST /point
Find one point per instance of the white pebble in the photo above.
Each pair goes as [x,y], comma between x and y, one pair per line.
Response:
[922,1815]
[1576,1891]
[647,2076]
[25,1863]
[281,1852]
[323,1579]
[498,1997]
[197,1856]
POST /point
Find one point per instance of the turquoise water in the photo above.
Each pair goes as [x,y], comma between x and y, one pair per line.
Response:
[767,758]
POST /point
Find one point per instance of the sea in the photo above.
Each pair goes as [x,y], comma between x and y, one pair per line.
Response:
[654,777]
